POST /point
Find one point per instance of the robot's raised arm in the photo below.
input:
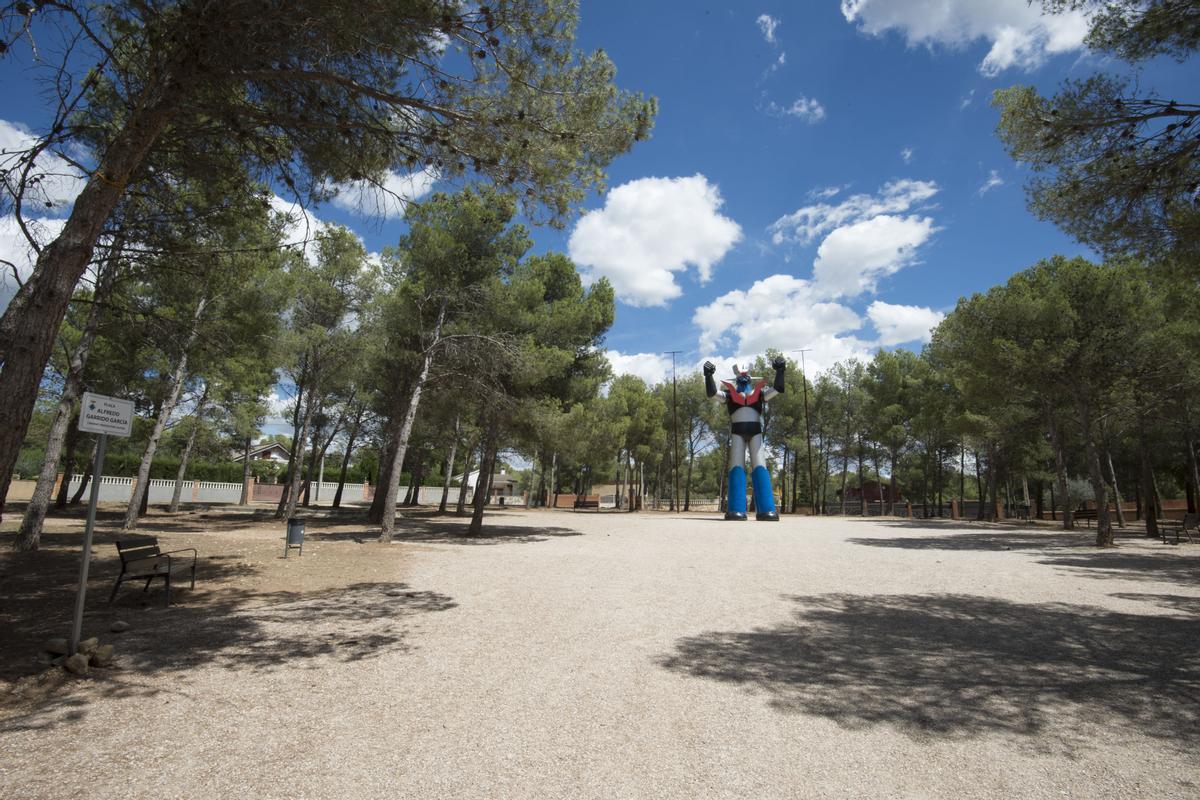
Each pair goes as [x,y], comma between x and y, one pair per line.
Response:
[710,385]
[777,386]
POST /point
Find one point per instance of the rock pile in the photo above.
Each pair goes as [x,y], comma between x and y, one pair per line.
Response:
[91,653]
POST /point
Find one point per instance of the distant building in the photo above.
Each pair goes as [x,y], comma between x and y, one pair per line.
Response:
[875,492]
[503,484]
[270,451]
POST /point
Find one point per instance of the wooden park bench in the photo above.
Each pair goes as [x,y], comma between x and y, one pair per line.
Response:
[587,502]
[141,559]
[1085,514]
[1184,527]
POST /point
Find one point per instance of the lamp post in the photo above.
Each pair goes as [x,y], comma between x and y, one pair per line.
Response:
[812,489]
[674,431]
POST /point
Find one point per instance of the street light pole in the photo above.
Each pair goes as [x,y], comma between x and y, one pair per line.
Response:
[812,489]
[675,430]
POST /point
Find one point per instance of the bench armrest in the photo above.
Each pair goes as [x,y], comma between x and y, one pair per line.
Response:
[191,550]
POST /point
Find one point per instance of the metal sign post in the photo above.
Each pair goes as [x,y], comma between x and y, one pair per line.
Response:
[105,416]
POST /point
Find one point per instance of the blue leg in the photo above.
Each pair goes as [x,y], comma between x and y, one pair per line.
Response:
[764,498]
[736,507]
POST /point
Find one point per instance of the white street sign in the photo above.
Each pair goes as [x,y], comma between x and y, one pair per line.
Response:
[101,414]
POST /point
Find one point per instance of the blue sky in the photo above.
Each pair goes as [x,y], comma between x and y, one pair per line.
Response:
[821,174]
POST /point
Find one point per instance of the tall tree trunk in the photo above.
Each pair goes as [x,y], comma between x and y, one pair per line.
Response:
[77,498]
[1104,533]
[291,490]
[979,513]
[1194,468]
[630,473]
[448,468]
[878,477]
[541,486]
[64,488]
[862,485]
[1060,469]
[30,324]
[962,475]
[297,414]
[141,486]
[461,508]
[245,498]
[487,463]
[1116,489]
[393,486]
[845,468]
[30,532]
[1147,482]
[352,438]
[687,487]
[892,484]
[311,472]
[723,488]
[187,451]
[375,514]
[925,483]
[993,478]
[418,478]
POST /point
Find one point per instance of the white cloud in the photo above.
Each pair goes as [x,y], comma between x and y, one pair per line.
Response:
[767,24]
[825,192]
[388,199]
[301,227]
[907,155]
[782,312]
[15,251]
[992,182]
[966,101]
[805,224]
[649,229]
[853,258]
[1020,35]
[897,324]
[52,184]
[805,108]
[650,367]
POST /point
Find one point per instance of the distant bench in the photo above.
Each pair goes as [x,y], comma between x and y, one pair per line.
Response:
[141,558]
[1085,514]
[588,502]
[1185,526]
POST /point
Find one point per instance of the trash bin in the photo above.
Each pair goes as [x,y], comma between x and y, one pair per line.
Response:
[295,536]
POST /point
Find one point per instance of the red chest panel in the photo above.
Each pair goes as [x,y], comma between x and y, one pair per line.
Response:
[738,399]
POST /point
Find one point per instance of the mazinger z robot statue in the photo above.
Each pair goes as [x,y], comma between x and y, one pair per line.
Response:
[745,406]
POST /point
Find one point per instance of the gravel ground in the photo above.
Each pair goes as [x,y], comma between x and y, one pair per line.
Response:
[626,656]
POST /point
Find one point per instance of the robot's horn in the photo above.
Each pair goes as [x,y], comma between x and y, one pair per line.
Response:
[735,369]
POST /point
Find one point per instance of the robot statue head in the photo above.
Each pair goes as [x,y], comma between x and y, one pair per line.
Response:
[741,379]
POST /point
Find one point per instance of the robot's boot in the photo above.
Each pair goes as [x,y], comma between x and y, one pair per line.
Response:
[736,507]
[764,498]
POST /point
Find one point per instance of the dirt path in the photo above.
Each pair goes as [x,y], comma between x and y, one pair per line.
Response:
[608,655]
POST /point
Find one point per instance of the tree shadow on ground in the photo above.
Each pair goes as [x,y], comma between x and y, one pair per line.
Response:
[1178,602]
[219,624]
[956,666]
[946,524]
[1166,566]
[37,590]
[448,530]
[999,539]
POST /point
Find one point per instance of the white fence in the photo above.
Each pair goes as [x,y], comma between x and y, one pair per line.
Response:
[120,490]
